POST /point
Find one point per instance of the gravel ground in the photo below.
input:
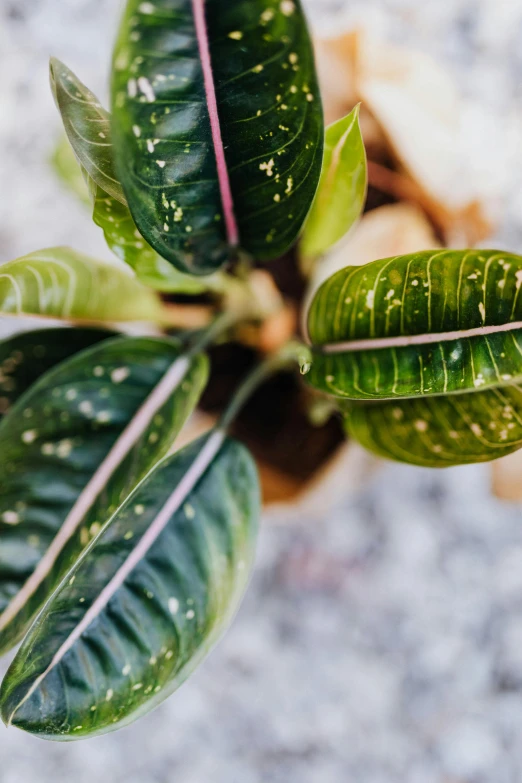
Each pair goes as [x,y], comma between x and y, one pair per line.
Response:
[378,645]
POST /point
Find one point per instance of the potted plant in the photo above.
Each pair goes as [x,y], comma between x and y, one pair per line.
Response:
[124,555]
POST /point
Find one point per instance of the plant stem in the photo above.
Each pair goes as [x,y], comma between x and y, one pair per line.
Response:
[294,352]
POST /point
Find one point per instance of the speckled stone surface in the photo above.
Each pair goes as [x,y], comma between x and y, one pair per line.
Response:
[382,644]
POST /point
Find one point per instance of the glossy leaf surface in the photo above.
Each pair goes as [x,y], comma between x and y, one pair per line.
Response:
[28,355]
[440,432]
[217,125]
[425,324]
[340,197]
[145,603]
[73,447]
[87,125]
[89,132]
[126,242]
[63,283]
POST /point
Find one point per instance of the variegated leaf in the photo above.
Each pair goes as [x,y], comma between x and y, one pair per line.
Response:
[147,600]
[28,355]
[427,324]
[440,432]
[73,448]
[62,283]
[87,125]
[218,126]
[80,109]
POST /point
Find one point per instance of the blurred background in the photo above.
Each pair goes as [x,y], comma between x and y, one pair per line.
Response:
[381,639]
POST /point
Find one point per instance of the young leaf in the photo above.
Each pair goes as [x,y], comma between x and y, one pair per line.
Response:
[73,447]
[27,356]
[426,324]
[342,188]
[440,432]
[146,601]
[218,127]
[62,283]
[87,125]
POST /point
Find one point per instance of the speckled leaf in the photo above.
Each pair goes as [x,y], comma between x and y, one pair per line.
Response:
[145,603]
[73,447]
[426,324]
[218,127]
[87,125]
[126,242]
[82,114]
[439,432]
[62,283]
[28,355]
[342,188]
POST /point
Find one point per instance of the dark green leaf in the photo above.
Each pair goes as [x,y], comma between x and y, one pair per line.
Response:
[62,283]
[126,242]
[27,356]
[342,189]
[426,324]
[439,432]
[87,125]
[145,603]
[217,124]
[110,213]
[73,448]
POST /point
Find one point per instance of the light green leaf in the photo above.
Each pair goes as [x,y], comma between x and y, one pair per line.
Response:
[27,356]
[147,600]
[218,127]
[342,188]
[421,325]
[73,448]
[69,171]
[440,432]
[87,125]
[62,283]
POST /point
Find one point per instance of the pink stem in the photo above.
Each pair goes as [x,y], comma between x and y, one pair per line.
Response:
[227,200]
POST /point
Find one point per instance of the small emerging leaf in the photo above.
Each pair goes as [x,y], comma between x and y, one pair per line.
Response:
[145,603]
[87,125]
[73,448]
[27,356]
[62,283]
[342,188]
[218,128]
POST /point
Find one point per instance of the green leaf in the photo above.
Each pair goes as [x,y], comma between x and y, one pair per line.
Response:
[69,171]
[73,447]
[87,125]
[28,355]
[110,211]
[421,325]
[62,283]
[126,242]
[440,432]
[342,188]
[147,600]
[218,127]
